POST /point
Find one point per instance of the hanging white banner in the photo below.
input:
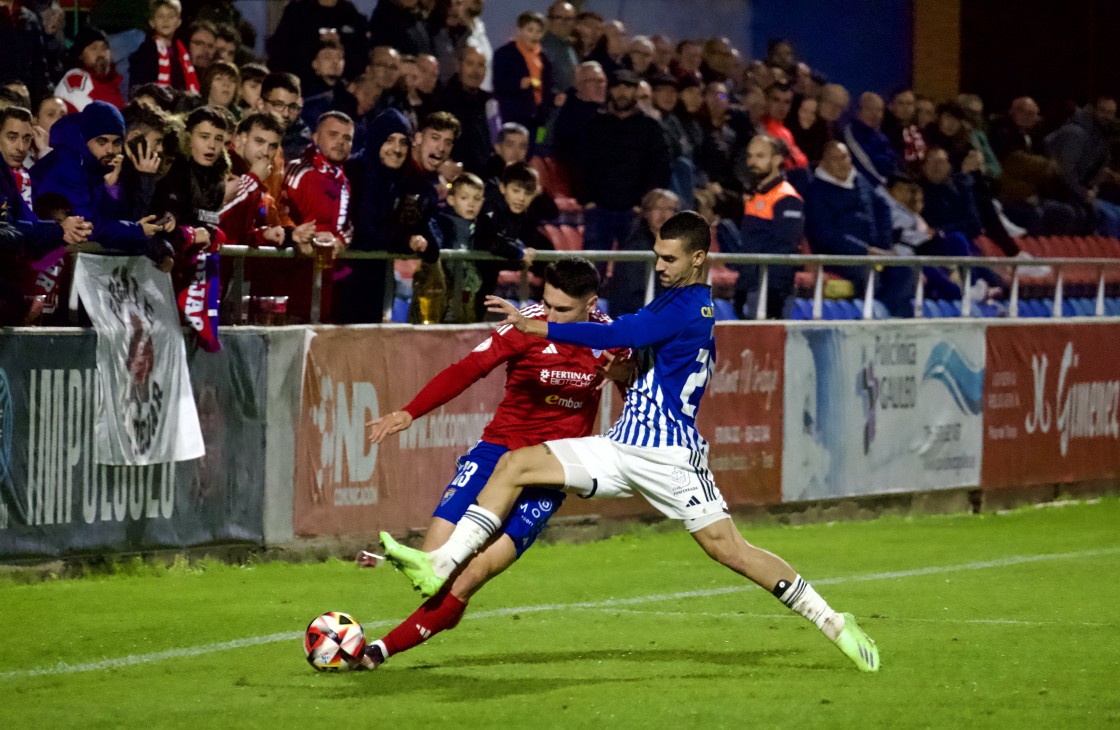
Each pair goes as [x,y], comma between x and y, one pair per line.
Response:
[146,413]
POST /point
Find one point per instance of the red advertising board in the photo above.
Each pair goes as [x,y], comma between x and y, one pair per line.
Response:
[1051,401]
[345,486]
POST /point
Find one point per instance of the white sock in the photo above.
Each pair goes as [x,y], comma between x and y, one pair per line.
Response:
[472,532]
[800,597]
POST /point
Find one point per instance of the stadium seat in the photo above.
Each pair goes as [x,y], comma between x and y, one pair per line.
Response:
[830,309]
[725,310]
[879,311]
[944,309]
[802,309]
[930,310]
[400,310]
[553,180]
[850,309]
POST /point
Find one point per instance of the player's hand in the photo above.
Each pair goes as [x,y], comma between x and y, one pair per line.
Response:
[75,229]
[619,368]
[395,422]
[497,305]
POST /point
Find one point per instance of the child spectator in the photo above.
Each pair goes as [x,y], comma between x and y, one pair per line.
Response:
[162,59]
[249,95]
[219,87]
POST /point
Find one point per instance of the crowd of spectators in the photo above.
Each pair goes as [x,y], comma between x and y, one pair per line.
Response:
[412,132]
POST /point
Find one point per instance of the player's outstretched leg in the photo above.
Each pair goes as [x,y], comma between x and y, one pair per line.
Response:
[722,541]
[439,613]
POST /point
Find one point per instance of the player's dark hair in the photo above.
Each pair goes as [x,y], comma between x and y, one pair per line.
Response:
[280,80]
[19,113]
[573,275]
[690,228]
[262,120]
[521,173]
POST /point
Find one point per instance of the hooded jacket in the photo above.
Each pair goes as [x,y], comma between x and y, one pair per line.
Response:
[71,170]
[388,210]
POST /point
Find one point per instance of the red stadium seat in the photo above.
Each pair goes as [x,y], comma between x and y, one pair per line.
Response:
[572,237]
[553,180]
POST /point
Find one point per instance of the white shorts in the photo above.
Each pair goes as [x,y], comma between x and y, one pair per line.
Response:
[673,479]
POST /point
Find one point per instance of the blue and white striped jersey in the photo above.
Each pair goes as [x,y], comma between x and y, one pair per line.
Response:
[674,339]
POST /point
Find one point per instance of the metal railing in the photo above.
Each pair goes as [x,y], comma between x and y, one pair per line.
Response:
[813,263]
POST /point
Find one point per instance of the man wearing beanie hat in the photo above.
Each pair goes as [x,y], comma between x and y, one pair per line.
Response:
[82,168]
[93,76]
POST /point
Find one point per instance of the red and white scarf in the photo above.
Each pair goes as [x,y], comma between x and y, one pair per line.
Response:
[23,183]
[190,78]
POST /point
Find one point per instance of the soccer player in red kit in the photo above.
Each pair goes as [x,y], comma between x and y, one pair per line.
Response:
[551,390]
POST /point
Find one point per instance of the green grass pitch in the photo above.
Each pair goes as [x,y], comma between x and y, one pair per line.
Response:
[998,620]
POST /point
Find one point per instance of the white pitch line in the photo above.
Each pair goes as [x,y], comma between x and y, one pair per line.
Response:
[771,616]
[192,651]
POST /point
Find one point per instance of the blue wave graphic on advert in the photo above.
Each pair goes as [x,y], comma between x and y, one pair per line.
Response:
[963,380]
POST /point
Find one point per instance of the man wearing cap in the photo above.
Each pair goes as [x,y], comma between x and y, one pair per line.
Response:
[82,170]
[92,76]
[624,156]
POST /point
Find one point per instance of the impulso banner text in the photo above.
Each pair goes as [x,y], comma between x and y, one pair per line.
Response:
[56,500]
[1052,404]
[875,408]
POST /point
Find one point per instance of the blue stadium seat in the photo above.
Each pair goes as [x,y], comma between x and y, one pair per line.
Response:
[1112,306]
[830,309]
[930,310]
[725,310]
[1047,307]
[1083,306]
[954,308]
[802,309]
[400,310]
[1031,308]
[879,311]
[850,309]
[1067,308]
[944,308]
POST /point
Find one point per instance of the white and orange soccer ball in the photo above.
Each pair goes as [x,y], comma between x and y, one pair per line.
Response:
[331,639]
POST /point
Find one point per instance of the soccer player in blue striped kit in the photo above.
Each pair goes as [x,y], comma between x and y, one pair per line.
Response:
[653,449]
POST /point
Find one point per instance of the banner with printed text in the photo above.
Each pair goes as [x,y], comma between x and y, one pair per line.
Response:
[741,413]
[56,500]
[1052,404]
[890,408]
[141,363]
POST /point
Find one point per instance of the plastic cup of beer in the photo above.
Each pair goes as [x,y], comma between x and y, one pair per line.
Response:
[323,243]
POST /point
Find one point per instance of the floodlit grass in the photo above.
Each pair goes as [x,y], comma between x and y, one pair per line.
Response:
[998,620]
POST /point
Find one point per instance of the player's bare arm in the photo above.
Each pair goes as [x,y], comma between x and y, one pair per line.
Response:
[389,424]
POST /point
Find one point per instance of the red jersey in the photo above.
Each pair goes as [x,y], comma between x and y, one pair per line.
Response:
[776,129]
[316,190]
[551,388]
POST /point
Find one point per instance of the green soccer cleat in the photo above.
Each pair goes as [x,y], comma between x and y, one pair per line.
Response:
[415,564]
[858,646]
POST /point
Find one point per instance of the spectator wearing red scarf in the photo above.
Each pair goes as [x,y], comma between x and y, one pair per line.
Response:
[161,59]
